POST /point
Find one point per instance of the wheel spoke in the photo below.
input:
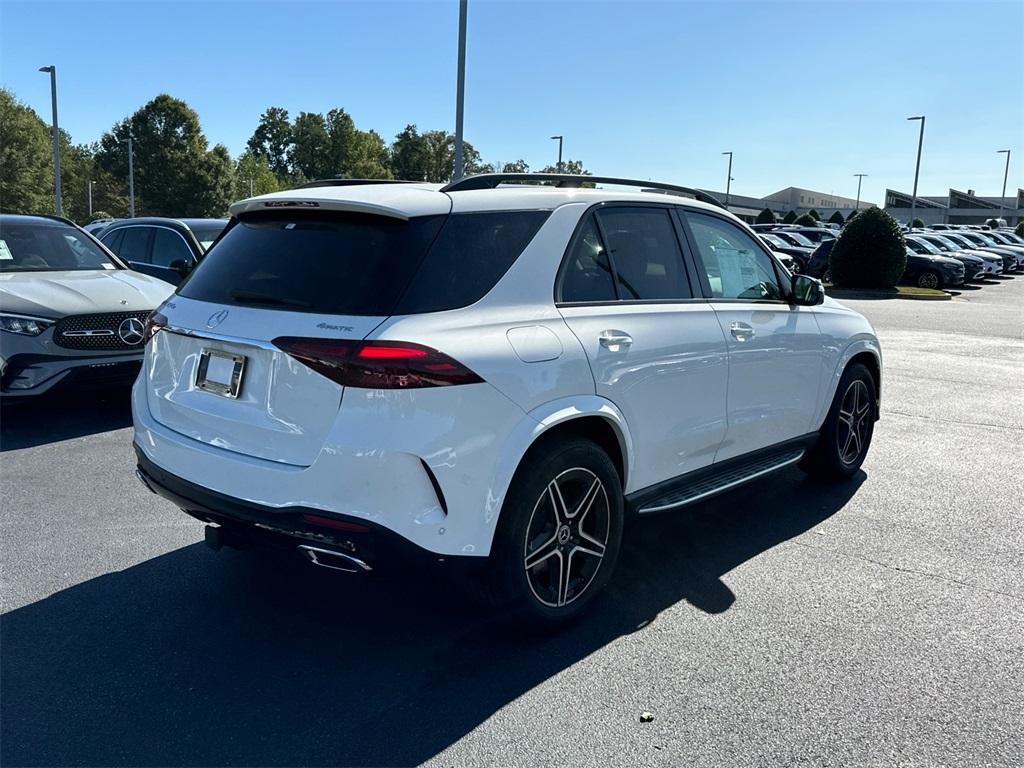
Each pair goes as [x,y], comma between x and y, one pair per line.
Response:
[557,502]
[846,417]
[543,552]
[845,451]
[587,502]
[594,547]
[563,577]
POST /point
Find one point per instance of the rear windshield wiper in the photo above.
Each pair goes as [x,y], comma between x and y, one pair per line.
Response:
[252,297]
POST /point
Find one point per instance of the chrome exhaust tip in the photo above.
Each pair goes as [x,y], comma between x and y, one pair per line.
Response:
[336,561]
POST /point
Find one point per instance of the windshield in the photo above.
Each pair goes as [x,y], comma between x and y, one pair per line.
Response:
[798,239]
[206,235]
[775,240]
[923,246]
[47,247]
[943,243]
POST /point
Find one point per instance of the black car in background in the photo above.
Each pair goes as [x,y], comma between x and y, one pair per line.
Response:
[801,254]
[972,241]
[974,268]
[165,248]
[926,270]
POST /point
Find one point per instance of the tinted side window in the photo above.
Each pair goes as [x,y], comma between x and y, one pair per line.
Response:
[169,247]
[646,254]
[470,255]
[113,241]
[736,266]
[587,275]
[135,244]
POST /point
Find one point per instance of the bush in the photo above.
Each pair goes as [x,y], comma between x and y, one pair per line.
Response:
[837,218]
[917,224]
[852,214]
[992,224]
[789,218]
[765,217]
[814,214]
[98,215]
[806,220]
[1020,229]
[870,252]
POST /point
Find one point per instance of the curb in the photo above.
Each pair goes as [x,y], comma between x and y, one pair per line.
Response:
[944,296]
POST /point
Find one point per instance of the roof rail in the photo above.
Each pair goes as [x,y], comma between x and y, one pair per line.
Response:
[347,183]
[492,180]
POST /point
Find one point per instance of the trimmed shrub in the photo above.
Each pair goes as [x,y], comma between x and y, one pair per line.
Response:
[852,214]
[765,217]
[837,218]
[992,224]
[813,213]
[789,218]
[1020,229]
[870,252]
[917,224]
[806,220]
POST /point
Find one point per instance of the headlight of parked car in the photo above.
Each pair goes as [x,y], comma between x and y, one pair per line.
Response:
[23,324]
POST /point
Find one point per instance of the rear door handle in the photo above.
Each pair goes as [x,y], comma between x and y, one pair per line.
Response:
[742,331]
[615,341]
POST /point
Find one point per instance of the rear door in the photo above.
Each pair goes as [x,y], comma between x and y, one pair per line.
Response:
[170,256]
[655,349]
[776,352]
[133,245]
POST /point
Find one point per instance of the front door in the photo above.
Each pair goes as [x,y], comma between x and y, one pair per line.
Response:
[776,354]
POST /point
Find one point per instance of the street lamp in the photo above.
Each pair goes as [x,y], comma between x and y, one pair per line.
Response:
[131,178]
[860,178]
[55,135]
[1002,199]
[559,166]
[917,169]
[460,90]
[728,180]
[90,197]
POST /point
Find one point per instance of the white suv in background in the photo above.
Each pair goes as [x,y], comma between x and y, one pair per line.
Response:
[490,372]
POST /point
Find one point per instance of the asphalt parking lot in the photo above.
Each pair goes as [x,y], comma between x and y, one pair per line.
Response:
[877,623]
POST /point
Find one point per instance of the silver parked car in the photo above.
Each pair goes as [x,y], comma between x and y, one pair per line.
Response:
[71,313]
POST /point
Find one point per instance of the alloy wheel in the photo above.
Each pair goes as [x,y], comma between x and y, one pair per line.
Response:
[854,420]
[566,537]
[928,280]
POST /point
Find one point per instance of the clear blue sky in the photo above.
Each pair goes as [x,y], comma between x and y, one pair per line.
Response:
[805,93]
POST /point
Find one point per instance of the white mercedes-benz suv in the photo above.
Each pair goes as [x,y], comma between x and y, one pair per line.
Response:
[493,373]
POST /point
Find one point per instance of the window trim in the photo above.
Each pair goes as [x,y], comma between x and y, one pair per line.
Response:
[149,247]
[149,242]
[702,271]
[577,233]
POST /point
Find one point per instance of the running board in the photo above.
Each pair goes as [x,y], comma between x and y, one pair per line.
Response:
[717,482]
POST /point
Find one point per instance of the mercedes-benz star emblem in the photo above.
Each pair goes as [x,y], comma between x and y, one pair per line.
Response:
[217,318]
[131,331]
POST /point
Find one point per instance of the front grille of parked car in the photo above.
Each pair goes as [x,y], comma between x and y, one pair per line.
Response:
[99,332]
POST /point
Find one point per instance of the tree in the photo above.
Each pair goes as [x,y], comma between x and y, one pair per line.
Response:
[806,220]
[341,136]
[992,224]
[789,218]
[250,166]
[367,157]
[409,155]
[870,252]
[1019,229]
[310,151]
[519,166]
[837,218]
[814,214]
[765,217]
[574,167]
[26,159]
[851,215]
[175,173]
[917,224]
[272,139]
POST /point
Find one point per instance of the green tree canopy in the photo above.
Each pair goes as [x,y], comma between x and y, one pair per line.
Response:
[1019,229]
[765,217]
[789,218]
[992,223]
[870,252]
[368,157]
[255,167]
[806,220]
[409,155]
[518,166]
[310,152]
[814,214]
[272,140]
[175,172]
[837,218]
[917,223]
[26,159]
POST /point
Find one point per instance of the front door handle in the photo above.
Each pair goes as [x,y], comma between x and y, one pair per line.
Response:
[741,331]
[615,341]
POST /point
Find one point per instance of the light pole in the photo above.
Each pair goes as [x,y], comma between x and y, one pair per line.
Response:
[917,170]
[90,197]
[860,178]
[559,166]
[728,180]
[250,186]
[56,135]
[460,95]
[131,178]
[1002,199]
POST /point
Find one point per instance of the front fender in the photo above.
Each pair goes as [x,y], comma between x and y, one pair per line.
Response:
[864,343]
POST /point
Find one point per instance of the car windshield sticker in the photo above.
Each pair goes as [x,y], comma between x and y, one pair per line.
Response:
[739,270]
[5,252]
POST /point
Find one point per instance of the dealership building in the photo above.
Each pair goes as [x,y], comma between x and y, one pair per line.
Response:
[955,208]
[789,199]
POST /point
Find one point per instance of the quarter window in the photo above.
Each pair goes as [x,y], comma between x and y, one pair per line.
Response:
[736,267]
[644,248]
[588,274]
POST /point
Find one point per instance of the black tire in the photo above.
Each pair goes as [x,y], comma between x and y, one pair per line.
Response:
[929,279]
[833,457]
[527,528]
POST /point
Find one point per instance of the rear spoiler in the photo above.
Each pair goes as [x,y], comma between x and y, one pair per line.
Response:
[298,202]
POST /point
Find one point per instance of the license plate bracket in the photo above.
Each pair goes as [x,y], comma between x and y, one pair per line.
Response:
[220,372]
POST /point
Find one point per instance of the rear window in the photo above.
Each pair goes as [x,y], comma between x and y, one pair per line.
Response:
[357,264]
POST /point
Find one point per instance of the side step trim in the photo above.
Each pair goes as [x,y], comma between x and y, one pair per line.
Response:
[712,486]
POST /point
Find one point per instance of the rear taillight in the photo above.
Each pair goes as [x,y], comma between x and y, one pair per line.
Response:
[155,322]
[377,364]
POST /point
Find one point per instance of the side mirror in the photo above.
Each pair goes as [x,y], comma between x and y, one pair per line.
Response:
[181,266]
[807,291]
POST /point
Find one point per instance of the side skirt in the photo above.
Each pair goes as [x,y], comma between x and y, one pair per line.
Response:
[718,478]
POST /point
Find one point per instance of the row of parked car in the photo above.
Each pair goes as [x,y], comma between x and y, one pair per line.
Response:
[944,256]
